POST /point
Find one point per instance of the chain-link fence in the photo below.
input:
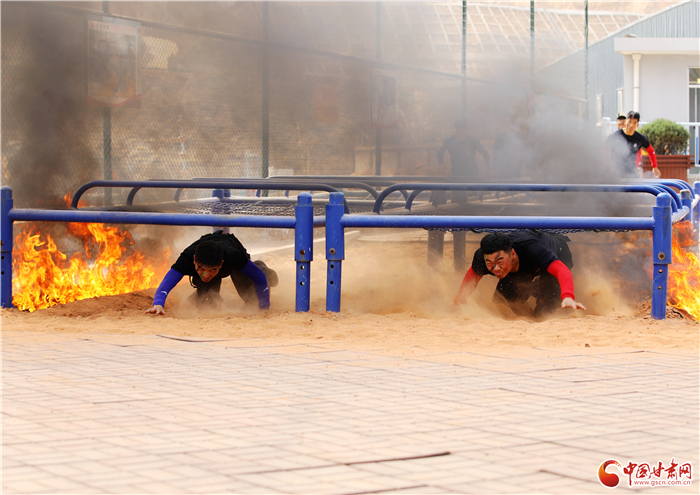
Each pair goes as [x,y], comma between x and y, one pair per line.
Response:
[218,103]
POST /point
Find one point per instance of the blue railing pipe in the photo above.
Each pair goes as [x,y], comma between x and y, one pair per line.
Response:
[186,184]
[661,255]
[348,183]
[123,217]
[303,250]
[679,184]
[302,223]
[335,251]
[696,210]
[6,241]
[676,197]
[505,222]
[650,189]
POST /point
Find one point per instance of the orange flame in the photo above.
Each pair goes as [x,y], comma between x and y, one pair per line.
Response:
[43,276]
[684,272]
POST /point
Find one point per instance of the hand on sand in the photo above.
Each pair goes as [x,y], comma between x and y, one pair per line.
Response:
[157,309]
[567,302]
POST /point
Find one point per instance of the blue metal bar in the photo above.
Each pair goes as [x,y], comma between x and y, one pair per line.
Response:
[505,222]
[661,255]
[377,180]
[677,183]
[650,189]
[95,216]
[696,211]
[6,241]
[334,182]
[335,251]
[186,184]
[686,201]
[303,250]
[676,198]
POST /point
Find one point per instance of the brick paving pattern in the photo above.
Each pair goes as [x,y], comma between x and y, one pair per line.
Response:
[145,414]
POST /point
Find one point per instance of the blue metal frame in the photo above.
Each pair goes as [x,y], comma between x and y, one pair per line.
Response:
[137,185]
[304,251]
[302,225]
[6,240]
[696,211]
[661,255]
[670,208]
[335,251]
[417,188]
[659,223]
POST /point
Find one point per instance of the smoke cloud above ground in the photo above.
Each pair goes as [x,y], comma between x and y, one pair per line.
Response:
[45,122]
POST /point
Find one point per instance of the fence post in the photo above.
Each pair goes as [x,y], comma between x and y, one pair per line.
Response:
[303,250]
[6,204]
[335,250]
[661,254]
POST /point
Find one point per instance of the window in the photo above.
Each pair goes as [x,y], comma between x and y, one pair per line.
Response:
[598,108]
[694,77]
[621,102]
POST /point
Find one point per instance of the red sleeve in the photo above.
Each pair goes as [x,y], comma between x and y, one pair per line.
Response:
[566,280]
[652,156]
[471,279]
[638,158]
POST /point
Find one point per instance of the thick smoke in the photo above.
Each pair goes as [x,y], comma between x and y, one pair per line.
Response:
[45,122]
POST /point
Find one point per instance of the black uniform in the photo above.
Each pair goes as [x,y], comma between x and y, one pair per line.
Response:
[235,258]
[536,251]
[624,149]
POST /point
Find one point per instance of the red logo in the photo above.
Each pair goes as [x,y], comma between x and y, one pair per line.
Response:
[644,474]
[611,480]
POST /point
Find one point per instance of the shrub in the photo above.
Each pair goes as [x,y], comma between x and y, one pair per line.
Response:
[667,137]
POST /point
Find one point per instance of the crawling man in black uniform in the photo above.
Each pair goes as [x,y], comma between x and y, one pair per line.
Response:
[527,263]
[210,259]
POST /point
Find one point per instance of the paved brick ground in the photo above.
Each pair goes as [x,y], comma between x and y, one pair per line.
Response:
[124,414]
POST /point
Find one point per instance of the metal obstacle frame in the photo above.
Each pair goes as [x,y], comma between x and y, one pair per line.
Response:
[302,223]
[670,208]
[664,215]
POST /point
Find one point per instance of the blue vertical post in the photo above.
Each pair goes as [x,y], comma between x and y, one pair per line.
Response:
[661,254]
[221,194]
[696,214]
[335,250]
[6,203]
[303,250]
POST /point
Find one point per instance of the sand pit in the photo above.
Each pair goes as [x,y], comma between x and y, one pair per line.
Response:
[391,301]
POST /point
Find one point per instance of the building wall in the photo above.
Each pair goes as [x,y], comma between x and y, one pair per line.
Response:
[663,86]
[607,67]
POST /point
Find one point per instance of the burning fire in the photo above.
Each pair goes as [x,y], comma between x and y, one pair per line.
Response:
[684,272]
[43,276]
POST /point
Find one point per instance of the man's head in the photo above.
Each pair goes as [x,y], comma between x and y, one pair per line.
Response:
[621,119]
[499,254]
[208,260]
[460,129]
[631,123]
